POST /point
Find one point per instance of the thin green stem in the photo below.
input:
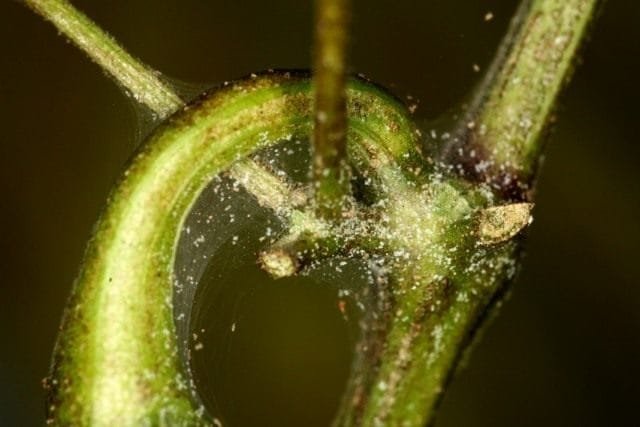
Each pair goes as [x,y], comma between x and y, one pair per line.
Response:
[139,80]
[330,169]
[142,82]
[505,130]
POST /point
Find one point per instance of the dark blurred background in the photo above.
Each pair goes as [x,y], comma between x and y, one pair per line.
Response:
[564,350]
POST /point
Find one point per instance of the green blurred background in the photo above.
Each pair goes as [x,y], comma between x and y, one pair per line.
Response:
[564,350]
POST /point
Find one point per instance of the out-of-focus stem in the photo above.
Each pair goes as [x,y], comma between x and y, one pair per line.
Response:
[330,169]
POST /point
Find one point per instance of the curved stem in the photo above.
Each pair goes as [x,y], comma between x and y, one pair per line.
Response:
[138,79]
[330,169]
[450,248]
[116,360]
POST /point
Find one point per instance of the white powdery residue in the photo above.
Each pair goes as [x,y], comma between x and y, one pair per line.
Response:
[560,40]
[436,335]
[525,123]
[177,285]
[198,241]
[482,166]
[263,137]
[462,297]
[456,317]
[200,411]
[343,293]
[182,385]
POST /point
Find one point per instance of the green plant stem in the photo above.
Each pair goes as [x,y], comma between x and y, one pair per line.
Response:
[116,360]
[139,80]
[447,249]
[330,168]
[515,104]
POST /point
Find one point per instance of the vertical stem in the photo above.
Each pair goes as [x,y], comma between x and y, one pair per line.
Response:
[505,130]
[330,169]
[139,80]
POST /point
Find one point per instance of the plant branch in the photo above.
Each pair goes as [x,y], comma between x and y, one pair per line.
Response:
[148,89]
[448,248]
[504,131]
[270,191]
[118,363]
[330,169]
[139,80]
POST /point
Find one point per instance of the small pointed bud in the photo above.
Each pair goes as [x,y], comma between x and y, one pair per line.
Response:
[500,223]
